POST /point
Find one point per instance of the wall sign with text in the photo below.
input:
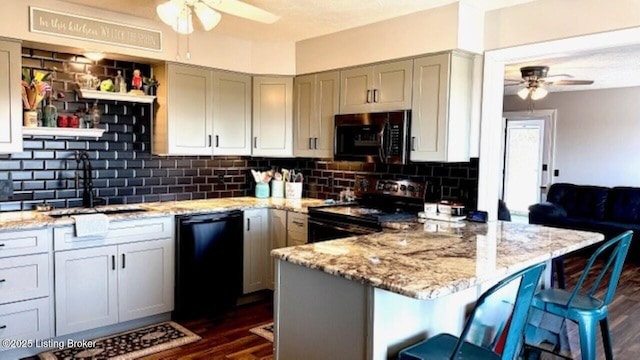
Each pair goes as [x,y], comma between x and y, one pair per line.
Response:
[96,30]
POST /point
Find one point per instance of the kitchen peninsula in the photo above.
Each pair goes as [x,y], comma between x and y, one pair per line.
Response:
[368,297]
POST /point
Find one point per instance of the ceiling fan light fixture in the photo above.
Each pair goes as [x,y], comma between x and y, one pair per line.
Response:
[209,18]
[538,93]
[523,93]
[169,12]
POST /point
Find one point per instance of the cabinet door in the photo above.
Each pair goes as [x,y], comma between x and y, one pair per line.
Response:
[278,238]
[231,113]
[10,98]
[392,86]
[146,278]
[24,320]
[256,250]
[356,93]
[273,116]
[305,115]
[327,103]
[190,110]
[86,289]
[429,110]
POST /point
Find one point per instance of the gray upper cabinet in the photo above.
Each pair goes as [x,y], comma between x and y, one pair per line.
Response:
[273,116]
[231,113]
[202,112]
[381,87]
[316,104]
[441,110]
[10,98]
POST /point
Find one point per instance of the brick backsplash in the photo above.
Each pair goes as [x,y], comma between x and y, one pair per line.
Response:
[126,172]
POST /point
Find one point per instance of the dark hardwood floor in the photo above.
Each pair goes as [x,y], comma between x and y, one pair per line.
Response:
[228,337]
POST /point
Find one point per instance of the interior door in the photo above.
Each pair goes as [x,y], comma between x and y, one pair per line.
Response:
[524,144]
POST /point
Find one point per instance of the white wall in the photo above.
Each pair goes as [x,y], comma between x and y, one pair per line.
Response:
[423,32]
[207,48]
[543,20]
[597,135]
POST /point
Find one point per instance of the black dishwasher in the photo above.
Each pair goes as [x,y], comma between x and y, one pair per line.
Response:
[208,261]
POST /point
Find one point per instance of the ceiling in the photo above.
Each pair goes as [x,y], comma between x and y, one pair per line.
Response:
[608,68]
[301,19]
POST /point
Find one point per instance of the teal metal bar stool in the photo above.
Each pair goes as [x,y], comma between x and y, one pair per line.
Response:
[509,300]
[585,308]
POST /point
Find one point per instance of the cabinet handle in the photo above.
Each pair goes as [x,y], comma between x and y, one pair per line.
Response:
[376,98]
[310,143]
[113,262]
[315,143]
[248,224]
[255,142]
[3,327]
[217,140]
[413,143]
[297,223]
[1,245]
[123,260]
[209,140]
[2,280]
[368,96]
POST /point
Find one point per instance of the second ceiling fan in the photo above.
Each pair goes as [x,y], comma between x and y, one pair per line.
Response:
[536,78]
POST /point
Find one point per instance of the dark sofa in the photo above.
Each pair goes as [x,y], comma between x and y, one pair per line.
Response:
[609,211]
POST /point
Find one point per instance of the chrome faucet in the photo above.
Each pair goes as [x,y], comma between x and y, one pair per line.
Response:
[87,179]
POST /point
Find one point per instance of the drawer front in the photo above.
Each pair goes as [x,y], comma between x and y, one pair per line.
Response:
[297,222]
[24,277]
[124,231]
[24,242]
[295,238]
[25,320]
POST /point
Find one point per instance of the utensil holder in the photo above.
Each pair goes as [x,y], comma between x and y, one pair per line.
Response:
[262,190]
[293,190]
[277,188]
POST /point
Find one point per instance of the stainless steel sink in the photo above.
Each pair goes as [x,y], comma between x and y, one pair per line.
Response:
[107,211]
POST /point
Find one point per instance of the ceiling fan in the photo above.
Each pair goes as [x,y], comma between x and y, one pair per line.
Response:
[535,78]
[179,13]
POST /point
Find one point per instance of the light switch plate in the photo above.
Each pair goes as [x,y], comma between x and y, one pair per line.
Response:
[6,189]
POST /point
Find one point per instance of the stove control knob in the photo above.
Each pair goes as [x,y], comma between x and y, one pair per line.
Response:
[412,188]
[388,186]
[403,188]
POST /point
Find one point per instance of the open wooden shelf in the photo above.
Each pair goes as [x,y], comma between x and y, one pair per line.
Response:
[51,131]
[107,95]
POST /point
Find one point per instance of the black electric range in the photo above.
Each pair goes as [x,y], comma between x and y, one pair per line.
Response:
[379,201]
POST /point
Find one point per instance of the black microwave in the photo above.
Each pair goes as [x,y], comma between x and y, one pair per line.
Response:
[373,137]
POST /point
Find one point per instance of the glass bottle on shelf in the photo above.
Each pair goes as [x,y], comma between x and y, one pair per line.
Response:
[50,114]
[95,116]
[120,83]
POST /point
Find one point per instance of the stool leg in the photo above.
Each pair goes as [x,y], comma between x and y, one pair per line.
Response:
[558,267]
[606,339]
[587,327]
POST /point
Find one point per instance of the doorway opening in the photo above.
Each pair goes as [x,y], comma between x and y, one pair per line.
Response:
[522,173]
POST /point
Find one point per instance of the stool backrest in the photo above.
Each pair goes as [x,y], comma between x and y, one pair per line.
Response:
[614,261]
[509,334]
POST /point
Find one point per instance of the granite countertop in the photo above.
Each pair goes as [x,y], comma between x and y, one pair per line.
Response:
[432,259]
[16,220]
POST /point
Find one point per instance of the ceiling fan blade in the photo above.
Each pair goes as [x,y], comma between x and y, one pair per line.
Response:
[559,75]
[243,10]
[573,82]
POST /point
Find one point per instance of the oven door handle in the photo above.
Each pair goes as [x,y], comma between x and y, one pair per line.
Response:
[358,230]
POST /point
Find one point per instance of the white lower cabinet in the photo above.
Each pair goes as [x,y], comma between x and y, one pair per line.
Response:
[24,320]
[278,237]
[26,286]
[256,250]
[145,284]
[118,281]
[86,289]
